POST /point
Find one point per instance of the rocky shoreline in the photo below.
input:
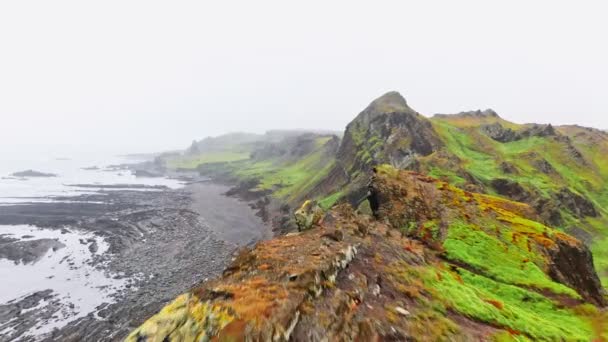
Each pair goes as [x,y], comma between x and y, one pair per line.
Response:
[162,242]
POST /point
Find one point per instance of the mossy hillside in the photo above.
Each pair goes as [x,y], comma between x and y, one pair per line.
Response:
[493,236]
[524,314]
[429,283]
[480,158]
[287,179]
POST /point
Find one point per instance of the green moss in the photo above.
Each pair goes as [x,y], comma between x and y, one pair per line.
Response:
[329,201]
[481,157]
[447,175]
[507,306]
[288,180]
[500,257]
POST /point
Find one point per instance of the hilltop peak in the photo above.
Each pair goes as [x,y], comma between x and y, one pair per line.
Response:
[390,102]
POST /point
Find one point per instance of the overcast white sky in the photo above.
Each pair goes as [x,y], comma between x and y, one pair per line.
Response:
[150,75]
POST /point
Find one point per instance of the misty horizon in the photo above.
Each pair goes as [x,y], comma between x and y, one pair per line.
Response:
[138,76]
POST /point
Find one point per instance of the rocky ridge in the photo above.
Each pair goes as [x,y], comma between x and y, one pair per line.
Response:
[476,250]
[399,275]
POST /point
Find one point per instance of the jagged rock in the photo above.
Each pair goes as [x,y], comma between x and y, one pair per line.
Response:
[543,166]
[575,203]
[387,131]
[572,264]
[571,151]
[510,189]
[536,130]
[548,211]
[499,133]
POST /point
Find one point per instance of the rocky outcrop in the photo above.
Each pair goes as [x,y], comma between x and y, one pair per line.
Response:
[387,131]
[510,189]
[499,133]
[536,130]
[572,264]
[542,165]
[575,203]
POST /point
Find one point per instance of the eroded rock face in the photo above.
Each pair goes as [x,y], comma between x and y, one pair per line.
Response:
[387,131]
[510,189]
[499,133]
[536,130]
[575,203]
[572,264]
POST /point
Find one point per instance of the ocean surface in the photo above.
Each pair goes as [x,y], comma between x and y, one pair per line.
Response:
[67,271]
[69,170]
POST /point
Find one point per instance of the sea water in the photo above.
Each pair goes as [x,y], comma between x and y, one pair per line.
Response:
[68,271]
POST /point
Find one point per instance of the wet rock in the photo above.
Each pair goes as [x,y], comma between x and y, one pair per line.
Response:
[93,247]
[32,173]
[28,251]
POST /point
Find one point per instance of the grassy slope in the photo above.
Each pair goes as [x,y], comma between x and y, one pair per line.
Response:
[287,179]
[481,157]
[192,162]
